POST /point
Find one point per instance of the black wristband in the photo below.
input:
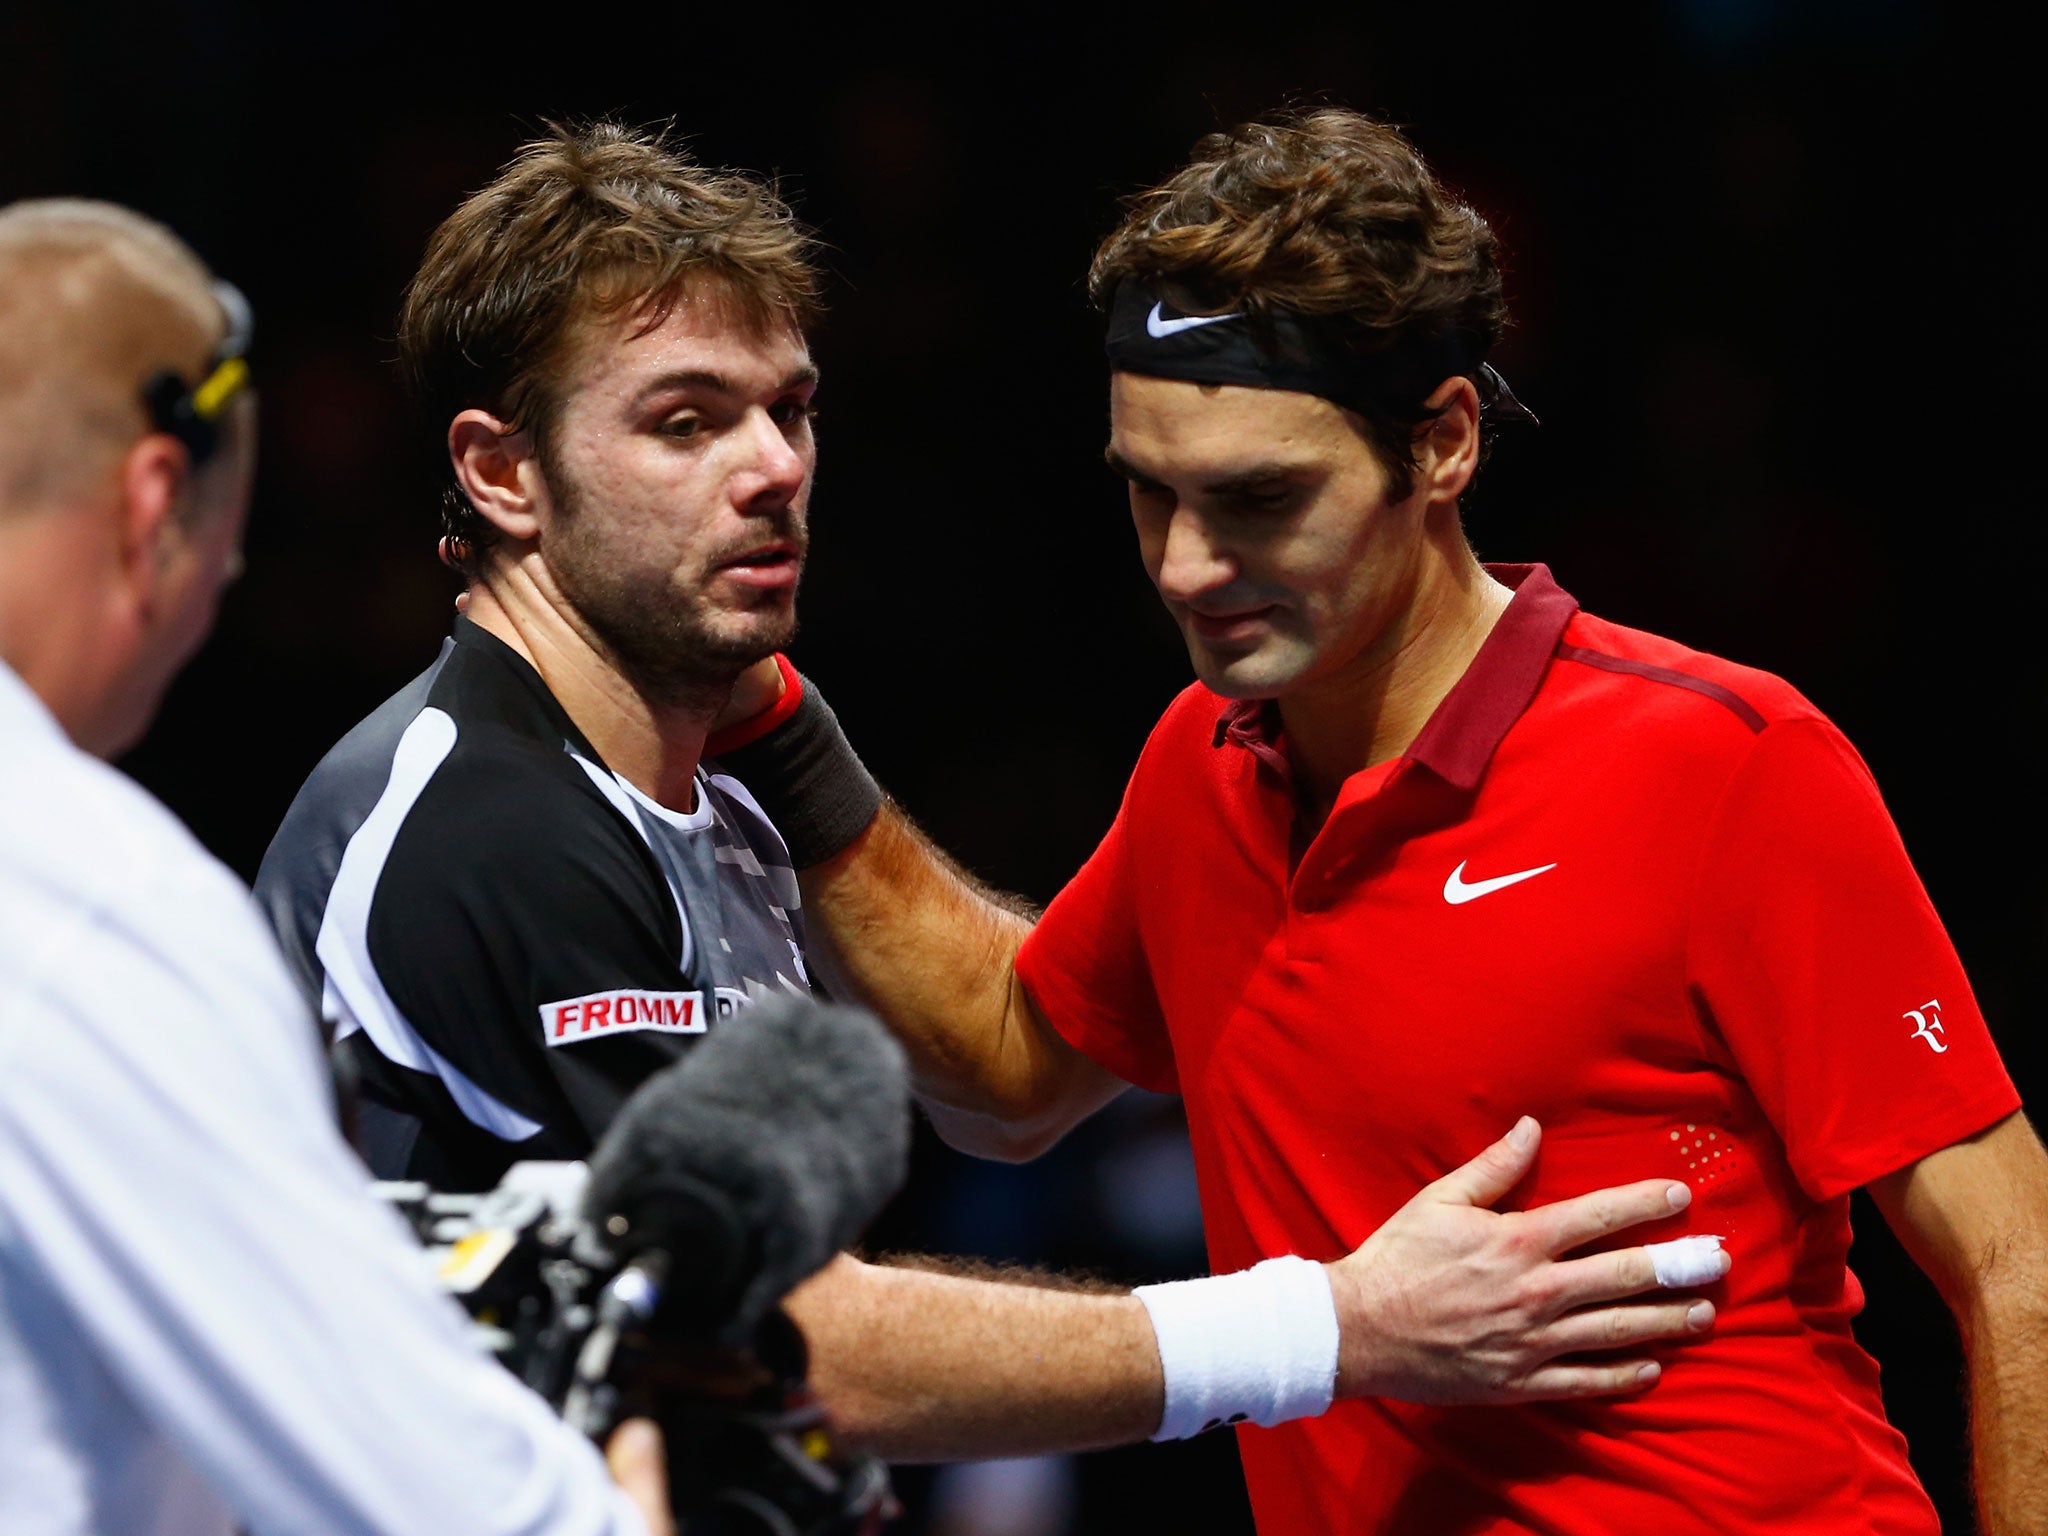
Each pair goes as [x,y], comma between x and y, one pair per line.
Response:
[809,780]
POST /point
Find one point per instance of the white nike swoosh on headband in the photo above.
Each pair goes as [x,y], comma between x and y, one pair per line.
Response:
[1156,323]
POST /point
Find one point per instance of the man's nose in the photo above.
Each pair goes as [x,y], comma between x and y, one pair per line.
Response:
[1192,562]
[778,469]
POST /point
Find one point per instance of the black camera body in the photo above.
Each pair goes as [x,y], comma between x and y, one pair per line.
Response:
[749,1450]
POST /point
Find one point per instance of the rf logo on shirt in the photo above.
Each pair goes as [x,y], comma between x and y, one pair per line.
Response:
[1927,1018]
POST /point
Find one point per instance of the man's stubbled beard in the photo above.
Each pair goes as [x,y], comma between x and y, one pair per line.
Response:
[664,638]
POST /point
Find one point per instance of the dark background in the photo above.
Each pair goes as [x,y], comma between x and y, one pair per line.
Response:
[1770,272]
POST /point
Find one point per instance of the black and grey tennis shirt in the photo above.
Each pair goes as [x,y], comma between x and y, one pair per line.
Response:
[506,937]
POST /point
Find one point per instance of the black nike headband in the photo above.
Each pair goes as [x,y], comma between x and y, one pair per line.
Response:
[1147,335]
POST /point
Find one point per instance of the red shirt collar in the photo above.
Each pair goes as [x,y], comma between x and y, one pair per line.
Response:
[1458,740]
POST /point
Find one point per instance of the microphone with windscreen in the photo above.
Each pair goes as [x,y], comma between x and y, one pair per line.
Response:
[649,1282]
[732,1176]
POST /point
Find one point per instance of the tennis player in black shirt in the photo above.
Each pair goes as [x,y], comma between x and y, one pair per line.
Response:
[465,857]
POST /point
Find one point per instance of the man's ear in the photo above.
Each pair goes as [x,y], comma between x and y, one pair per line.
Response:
[155,475]
[495,466]
[1448,453]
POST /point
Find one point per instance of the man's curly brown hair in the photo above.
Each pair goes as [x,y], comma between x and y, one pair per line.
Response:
[588,220]
[1325,215]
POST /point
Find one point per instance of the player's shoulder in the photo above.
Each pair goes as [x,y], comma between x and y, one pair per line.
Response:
[1648,682]
[1178,753]
[487,719]
[351,775]
[473,755]
[1193,719]
[469,805]
[470,796]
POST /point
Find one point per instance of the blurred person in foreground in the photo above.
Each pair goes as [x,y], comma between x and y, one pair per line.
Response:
[206,1323]
[1424,842]
[530,879]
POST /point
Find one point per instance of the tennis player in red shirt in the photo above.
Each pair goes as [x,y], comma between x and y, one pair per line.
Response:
[1427,846]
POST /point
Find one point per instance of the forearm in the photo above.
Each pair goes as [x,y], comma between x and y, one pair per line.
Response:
[914,937]
[893,923]
[1975,1217]
[924,1366]
[2006,1337]
[1446,1302]
[890,920]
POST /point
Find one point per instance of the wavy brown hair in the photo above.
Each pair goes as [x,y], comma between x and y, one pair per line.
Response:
[1328,216]
[586,221]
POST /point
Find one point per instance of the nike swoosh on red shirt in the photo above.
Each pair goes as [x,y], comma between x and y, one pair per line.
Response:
[1457,891]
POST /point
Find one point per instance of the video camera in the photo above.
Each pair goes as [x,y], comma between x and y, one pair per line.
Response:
[649,1282]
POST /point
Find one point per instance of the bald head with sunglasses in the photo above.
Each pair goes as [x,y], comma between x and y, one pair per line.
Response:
[127,446]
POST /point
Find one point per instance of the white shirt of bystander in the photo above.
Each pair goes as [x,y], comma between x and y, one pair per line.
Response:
[205,1319]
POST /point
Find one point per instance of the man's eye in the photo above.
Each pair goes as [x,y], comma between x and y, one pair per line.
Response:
[787,413]
[1262,498]
[682,426]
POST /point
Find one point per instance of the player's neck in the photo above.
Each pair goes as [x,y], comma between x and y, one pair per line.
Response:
[1372,710]
[653,744]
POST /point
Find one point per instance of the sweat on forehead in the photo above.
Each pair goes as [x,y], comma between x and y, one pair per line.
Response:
[94,301]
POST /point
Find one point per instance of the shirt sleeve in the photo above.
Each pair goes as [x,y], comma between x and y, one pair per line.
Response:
[1816,954]
[1086,967]
[174,1192]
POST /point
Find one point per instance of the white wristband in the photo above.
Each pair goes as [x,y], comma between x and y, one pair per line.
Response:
[1260,1345]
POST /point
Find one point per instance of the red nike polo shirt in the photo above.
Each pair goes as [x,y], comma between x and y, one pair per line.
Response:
[1651,898]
